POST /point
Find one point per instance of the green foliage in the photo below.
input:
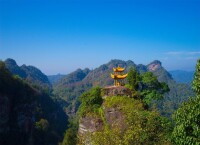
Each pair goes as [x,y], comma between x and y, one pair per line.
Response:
[146,86]
[42,125]
[196,81]
[141,126]
[31,74]
[187,117]
[172,100]
[152,89]
[187,127]
[133,78]
[90,101]
[23,109]
[71,86]
[70,137]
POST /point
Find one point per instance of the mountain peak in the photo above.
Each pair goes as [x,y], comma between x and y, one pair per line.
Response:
[29,73]
[10,61]
[154,65]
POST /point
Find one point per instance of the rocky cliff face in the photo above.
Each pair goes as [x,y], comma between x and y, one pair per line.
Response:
[162,74]
[113,118]
[154,65]
[90,124]
[116,91]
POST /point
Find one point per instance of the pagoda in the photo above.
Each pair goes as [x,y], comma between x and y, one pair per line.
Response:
[118,76]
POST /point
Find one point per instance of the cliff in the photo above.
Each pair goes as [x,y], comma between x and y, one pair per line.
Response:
[116,91]
[120,120]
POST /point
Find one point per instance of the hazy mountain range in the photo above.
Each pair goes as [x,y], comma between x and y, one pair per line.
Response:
[69,87]
[182,76]
[27,86]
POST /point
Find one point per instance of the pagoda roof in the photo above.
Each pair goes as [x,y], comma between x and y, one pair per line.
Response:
[118,76]
[118,69]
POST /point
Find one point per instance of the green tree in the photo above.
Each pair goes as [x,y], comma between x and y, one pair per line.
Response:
[146,86]
[196,81]
[133,79]
[187,117]
[70,137]
[90,101]
[152,89]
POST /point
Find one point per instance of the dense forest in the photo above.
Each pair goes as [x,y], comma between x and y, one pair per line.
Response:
[72,109]
[28,115]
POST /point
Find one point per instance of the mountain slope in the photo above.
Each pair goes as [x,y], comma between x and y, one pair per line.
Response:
[178,92]
[71,86]
[27,115]
[70,89]
[55,78]
[101,75]
[156,68]
[74,84]
[30,73]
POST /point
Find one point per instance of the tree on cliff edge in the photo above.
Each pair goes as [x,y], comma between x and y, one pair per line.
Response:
[146,86]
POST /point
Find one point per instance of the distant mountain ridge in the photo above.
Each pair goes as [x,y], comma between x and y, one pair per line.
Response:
[30,73]
[70,89]
[55,78]
[181,76]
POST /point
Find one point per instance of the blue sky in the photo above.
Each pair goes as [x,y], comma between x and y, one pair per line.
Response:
[59,36]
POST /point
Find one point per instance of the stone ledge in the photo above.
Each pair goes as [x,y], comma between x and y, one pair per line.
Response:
[116,91]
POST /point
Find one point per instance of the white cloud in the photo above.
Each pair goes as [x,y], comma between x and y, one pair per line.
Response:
[194,52]
[191,58]
[183,53]
[175,52]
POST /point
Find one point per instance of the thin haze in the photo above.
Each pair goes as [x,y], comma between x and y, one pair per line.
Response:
[59,36]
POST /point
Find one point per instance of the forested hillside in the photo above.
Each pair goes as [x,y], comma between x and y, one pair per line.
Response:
[32,114]
[28,115]
[130,120]
[31,74]
[55,78]
[178,93]
[73,85]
